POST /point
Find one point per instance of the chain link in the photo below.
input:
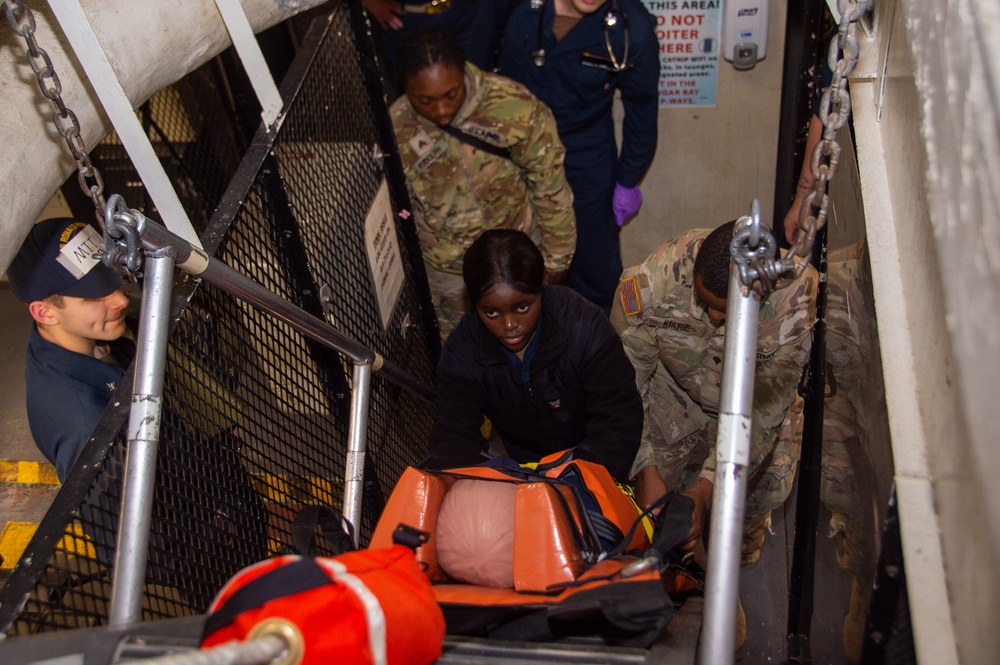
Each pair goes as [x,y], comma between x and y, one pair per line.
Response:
[834,112]
[123,229]
[753,249]
[22,23]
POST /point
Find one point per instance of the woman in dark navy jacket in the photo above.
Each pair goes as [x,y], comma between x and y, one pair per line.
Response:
[543,364]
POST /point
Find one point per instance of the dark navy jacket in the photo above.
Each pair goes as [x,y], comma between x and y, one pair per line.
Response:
[66,393]
[582,391]
[581,94]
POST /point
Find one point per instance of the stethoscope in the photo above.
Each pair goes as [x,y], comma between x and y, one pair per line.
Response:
[611,17]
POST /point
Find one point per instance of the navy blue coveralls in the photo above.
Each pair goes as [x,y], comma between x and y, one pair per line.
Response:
[476,24]
[578,82]
[66,393]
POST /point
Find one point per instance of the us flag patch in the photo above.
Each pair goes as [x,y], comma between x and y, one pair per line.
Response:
[629,290]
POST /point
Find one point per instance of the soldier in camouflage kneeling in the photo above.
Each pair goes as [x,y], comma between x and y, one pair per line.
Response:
[670,313]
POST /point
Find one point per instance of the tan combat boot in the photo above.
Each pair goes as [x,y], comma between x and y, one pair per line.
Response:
[753,538]
[740,635]
[854,624]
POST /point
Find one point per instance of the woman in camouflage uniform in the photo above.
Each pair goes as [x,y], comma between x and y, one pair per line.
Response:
[479,152]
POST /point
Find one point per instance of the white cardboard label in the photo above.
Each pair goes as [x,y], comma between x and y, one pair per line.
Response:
[77,256]
[384,256]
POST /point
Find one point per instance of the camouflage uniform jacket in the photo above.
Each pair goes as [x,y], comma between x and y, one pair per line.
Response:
[459,191]
[672,334]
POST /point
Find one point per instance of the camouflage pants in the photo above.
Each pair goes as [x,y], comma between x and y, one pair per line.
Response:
[848,484]
[449,297]
[770,483]
[844,474]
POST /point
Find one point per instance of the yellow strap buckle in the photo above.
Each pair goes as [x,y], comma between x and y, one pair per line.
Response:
[432,7]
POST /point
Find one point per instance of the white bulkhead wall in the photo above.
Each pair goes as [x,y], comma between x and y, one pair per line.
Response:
[711,162]
[938,144]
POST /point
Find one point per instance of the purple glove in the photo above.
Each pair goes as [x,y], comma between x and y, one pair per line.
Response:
[625,203]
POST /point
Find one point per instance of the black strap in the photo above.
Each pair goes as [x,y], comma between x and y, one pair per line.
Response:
[407,536]
[338,532]
[478,143]
[673,523]
[607,530]
[670,527]
[565,458]
[296,577]
[586,537]
[580,582]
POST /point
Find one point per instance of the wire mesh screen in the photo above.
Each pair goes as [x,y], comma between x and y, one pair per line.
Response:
[255,418]
[197,138]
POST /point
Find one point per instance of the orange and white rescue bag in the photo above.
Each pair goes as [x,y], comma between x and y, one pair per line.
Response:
[370,607]
[565,582]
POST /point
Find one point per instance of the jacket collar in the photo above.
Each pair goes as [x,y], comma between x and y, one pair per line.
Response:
[84,368]
[476,87]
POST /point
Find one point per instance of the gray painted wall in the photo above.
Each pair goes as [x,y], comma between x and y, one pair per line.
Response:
[711,162]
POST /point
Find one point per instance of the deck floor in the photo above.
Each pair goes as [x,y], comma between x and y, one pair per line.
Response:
[764,592]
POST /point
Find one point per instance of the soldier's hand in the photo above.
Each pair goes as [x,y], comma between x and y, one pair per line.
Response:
[386,12]
[649,488]
[701,492]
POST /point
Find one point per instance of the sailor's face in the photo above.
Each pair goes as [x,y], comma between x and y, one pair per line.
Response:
[80,324]
[511,315]
[578,8]
[437,93]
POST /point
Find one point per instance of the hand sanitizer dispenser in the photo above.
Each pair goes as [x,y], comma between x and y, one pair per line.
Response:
[744,32]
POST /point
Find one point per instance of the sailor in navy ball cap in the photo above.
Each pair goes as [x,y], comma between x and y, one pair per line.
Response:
[76,355]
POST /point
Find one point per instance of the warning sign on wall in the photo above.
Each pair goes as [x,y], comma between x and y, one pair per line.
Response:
[383,254]
[688,32]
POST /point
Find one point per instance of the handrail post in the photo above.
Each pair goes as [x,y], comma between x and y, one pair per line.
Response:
[129,572]
[354,466]
[732,460]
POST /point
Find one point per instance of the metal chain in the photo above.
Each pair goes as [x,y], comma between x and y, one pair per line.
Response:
[753,248]
[22,22]
[123,229]
[835,110]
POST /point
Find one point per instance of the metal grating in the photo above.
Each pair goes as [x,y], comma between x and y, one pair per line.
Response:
[255,414]
[194,132]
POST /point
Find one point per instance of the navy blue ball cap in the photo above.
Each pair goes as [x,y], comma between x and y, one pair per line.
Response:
[57,258]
